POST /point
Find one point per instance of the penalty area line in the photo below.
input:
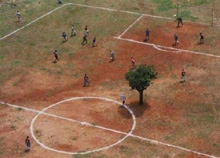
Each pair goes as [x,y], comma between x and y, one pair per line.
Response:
[130,26]
[173,50]
[112,130]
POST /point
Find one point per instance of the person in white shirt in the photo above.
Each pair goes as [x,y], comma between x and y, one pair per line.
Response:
[18,14]
[123,98]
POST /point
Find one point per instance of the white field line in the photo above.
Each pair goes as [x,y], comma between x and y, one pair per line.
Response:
[60,117]
[130,26]
[121,11]
[87,6]
[112,130]
[83,123]
[32,22]
[174,50]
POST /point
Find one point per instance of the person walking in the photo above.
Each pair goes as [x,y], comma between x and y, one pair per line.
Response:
[86,80]
[84,40]
[18,14]
[176,40]
[73,31]
[123,98]
[94,42]
[86,32]
[201,38]
[132,62]
[28,144]
[56,56]
[112,56]
[179,21]
[64,35]
[59,1]
[147,35]
[183,76]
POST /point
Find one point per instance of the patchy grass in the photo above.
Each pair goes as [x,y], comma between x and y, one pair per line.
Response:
[91,155]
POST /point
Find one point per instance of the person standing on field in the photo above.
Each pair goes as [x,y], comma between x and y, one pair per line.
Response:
[59,1]
[201,38]
[64,35]
[179,21]
[73,31]
[94,42]
[183,76]
[86,33]
[84,40]
[28,144]
[147,35]
[176,40]
[132,62]
[123,98]
[86,81]
[18,14]
[112,56]
[56,56]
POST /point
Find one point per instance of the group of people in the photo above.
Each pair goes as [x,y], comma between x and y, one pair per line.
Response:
[176,38]
[112,56]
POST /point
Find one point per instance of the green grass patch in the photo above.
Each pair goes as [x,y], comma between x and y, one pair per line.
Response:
[164,5]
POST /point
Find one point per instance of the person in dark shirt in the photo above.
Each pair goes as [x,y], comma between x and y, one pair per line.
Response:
[179,21]
[56,56]
[176,40]
[201,38]
[59,1]
[112,56]
[147,35]
[84,40]
[28,144]
[86,81]
[183,76]
[64,35]
[94,42]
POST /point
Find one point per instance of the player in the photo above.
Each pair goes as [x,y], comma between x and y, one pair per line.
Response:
[94,42]
[59,1]
[147,35]
[123,98]
[28,144]
[84,40]
[179,21]
[73,31]
[56,56]
[176,40]
[64,35]
[86,27]
[132,62]
[112,56]
[86,81]
[201,38]
[183,76]
[18,14]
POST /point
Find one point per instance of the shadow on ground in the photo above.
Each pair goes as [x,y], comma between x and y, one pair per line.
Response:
[137,109]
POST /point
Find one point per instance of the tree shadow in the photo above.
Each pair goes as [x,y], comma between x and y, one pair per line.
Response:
[137,109]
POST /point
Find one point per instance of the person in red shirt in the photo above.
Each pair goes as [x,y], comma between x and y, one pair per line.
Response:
[132,62]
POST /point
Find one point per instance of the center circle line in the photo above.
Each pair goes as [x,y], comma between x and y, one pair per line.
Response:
[91,151]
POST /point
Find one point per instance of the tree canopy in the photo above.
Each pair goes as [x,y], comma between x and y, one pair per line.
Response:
[140,78]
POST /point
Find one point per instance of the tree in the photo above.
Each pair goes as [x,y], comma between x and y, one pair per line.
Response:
[140,78]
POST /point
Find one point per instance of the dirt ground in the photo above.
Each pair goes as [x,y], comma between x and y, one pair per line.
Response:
[185,115]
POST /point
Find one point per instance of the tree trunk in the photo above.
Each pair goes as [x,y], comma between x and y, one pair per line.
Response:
[141,100]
